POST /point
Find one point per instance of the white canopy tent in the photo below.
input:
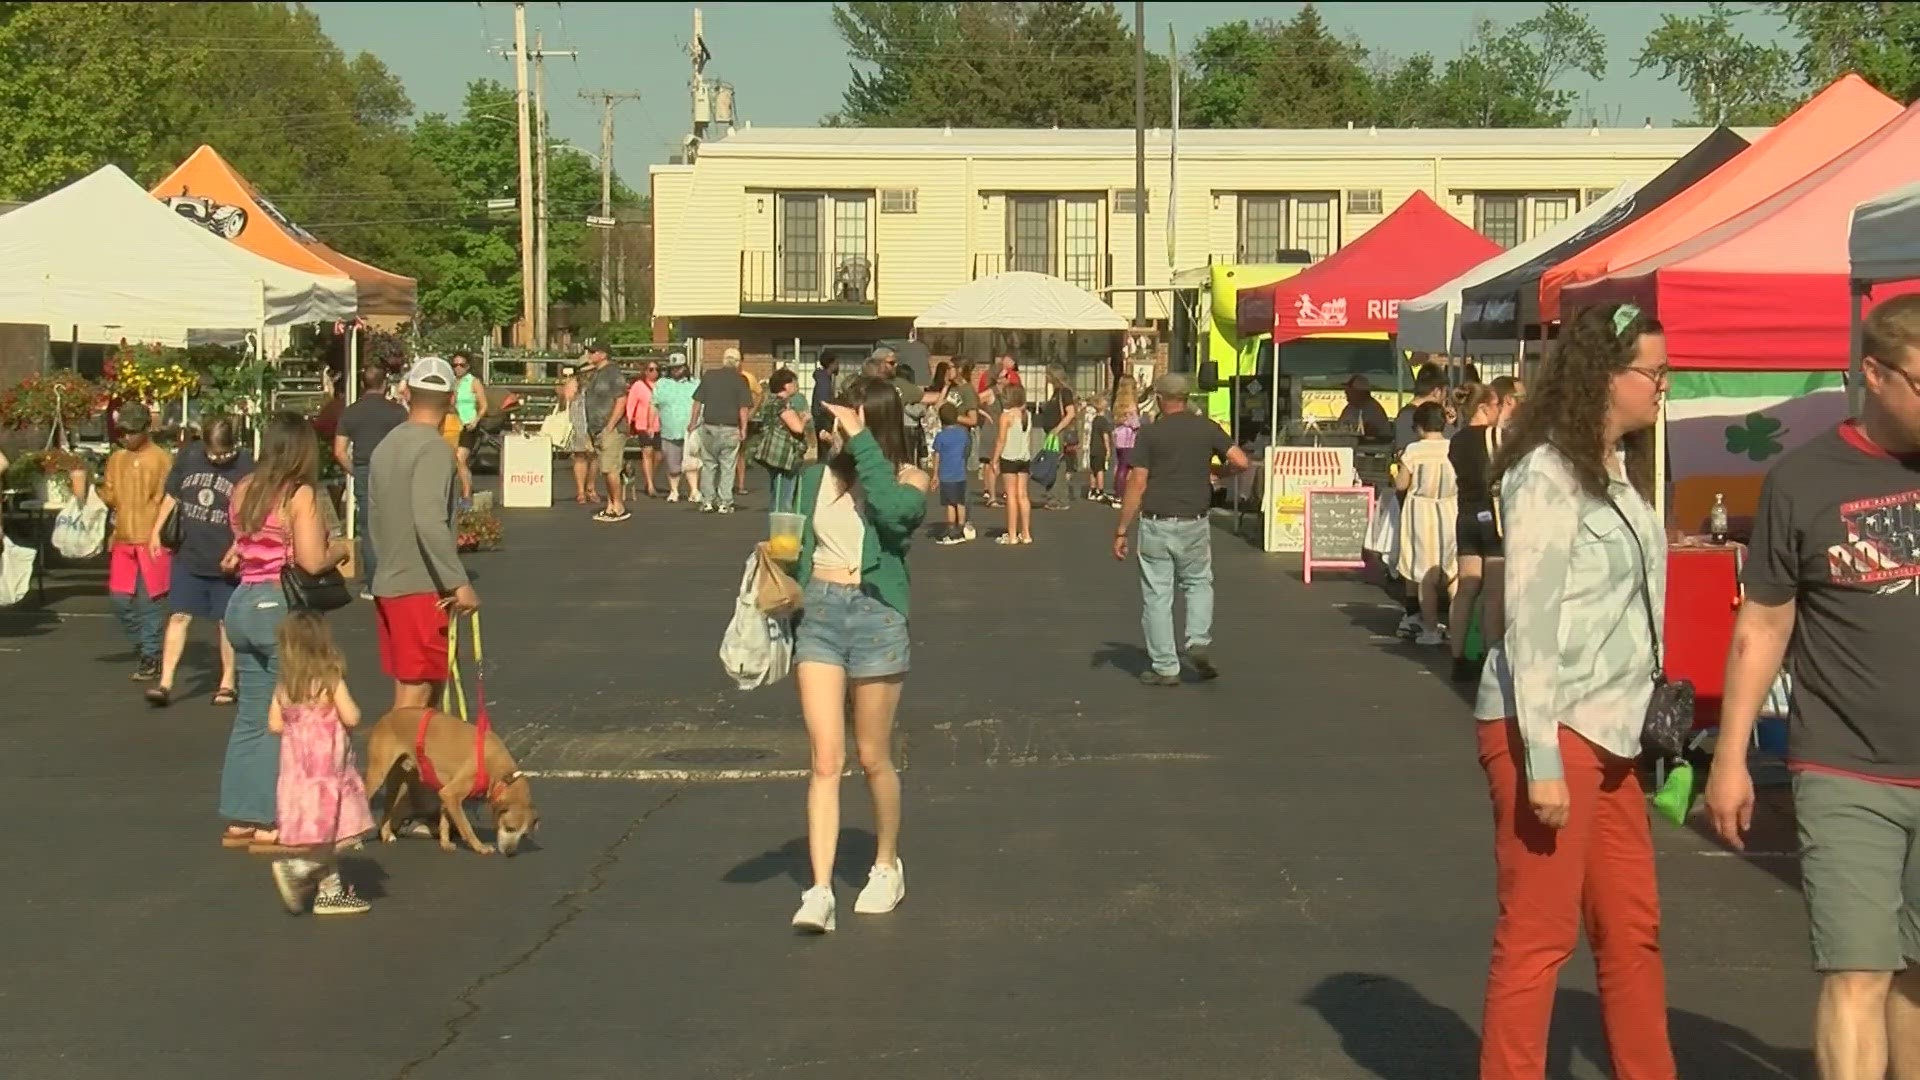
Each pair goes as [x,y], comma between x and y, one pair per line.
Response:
[104,256]
[1020,300]
[1884,241]
[1430,323]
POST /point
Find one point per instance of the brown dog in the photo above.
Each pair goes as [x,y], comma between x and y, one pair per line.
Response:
[449,748]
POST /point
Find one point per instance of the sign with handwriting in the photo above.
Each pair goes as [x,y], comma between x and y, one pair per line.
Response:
[1337,520]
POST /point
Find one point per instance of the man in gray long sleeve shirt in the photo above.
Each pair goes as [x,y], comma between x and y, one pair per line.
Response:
[420,581]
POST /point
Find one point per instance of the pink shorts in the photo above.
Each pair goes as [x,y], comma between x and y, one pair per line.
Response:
[128,564]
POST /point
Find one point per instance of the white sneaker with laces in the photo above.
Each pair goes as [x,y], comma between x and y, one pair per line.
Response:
[816,910]
[1430,637]
[886,887]
[967,531]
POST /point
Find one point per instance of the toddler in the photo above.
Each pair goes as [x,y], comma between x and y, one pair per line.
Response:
[321,799]
[950,467]
[1099,452]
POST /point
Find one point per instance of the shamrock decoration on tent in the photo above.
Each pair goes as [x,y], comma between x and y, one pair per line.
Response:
[1758,437]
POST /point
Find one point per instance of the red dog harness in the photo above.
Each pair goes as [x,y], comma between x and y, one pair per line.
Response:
[481,781]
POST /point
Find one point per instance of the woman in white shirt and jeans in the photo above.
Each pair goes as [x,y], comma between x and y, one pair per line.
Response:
[1564,699]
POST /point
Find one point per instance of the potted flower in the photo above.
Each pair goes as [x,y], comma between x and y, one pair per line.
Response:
[57,398]
[477,530]
[55,475]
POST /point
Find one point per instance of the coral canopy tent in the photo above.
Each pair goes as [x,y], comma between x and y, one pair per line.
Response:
[1825,127]
[207,190]
[1768,289]
[1358,289]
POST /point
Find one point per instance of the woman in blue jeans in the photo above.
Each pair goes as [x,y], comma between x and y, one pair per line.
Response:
[861,510]
[276,519]
[780,445]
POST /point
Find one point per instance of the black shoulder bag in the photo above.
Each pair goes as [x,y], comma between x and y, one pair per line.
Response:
[1669,719]
[324,591]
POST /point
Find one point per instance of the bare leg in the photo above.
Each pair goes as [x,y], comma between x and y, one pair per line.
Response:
[1432,595]
[580,492]
[1024,501]
[1464,595]
[616,494]
[1850,1025]
[874,703]
[175,643]
[1493,608]
[823,701]
[416,695]
[226,657]
[1903,1025]
[648,457]
[1009,486]
[740,474]
[465,469]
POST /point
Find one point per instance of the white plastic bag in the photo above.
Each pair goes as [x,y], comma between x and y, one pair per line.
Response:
[757,649]
[80,530]
[1383,535]
[691,453]
[16,571]
[558,429]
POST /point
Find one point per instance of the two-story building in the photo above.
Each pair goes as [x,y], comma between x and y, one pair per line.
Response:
[784,241]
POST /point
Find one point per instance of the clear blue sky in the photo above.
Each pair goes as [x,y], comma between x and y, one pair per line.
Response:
[789,67]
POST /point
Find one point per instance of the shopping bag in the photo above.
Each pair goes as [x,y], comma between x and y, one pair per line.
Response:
[691,456]
[776,593]
[16,571]
[1045,468]
[80,530]
[1675,796]
[757,649]
[558,429]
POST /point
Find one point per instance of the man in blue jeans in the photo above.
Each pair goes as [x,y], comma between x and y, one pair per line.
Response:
[1170,491]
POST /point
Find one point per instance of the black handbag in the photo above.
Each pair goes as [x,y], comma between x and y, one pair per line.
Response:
[1669,720]
[172,530]
[325,591]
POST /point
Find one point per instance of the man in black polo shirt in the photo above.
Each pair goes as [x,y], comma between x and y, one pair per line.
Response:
[1170,489]
[1833,586]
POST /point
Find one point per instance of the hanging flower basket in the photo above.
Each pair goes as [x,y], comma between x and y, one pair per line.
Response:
[49,473]
[39,401]
[477,530]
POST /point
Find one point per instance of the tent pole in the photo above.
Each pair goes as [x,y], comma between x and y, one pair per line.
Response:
[1660,464]
[1856,345]
[353,394]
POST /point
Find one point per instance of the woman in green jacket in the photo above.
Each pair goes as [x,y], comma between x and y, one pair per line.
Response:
[862,508]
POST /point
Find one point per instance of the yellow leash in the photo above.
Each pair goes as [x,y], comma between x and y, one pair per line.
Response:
[453,664]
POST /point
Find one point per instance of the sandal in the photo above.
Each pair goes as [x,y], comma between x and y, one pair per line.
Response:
[226,696]
[159,696]
[237,836]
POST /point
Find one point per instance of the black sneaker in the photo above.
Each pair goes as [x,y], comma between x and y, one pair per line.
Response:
[1154,678]
[340,900]
[148,671]
[1202,660]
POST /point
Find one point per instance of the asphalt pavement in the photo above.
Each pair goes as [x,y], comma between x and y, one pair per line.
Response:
[1285,873]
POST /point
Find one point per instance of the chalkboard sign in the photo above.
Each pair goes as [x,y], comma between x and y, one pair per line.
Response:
[1337,520]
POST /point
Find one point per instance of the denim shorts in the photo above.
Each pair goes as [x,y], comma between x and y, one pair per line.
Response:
[198,596]
[953,493]
[842,626]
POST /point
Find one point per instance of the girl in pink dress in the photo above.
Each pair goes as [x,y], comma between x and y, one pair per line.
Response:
[321,799]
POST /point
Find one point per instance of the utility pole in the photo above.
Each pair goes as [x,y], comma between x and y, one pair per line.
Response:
[1139,162]
[526,171]
[533,178]
[607,99]
[697,86]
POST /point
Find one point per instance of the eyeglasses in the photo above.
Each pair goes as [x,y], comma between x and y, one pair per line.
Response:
[1913,382]
[1658,376]
[459,363]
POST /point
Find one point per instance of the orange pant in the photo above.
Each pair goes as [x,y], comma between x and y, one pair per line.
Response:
[1597,871]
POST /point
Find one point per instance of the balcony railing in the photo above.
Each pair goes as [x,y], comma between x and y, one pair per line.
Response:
[776,283]
[987,264]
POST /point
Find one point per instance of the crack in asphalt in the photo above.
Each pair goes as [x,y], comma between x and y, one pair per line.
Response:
[572,903]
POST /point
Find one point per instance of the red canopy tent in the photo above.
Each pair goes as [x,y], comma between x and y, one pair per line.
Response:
[1358,289]
[1768,289]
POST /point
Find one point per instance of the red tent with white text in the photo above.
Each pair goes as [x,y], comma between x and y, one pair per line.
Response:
[1358,289]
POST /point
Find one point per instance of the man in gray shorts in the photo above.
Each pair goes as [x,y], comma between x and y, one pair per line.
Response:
[1833,585]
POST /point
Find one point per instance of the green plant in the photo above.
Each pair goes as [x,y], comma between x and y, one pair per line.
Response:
[55,464]
[38,400]
[477,530]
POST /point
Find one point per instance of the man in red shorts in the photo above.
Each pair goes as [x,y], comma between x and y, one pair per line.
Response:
[419,583]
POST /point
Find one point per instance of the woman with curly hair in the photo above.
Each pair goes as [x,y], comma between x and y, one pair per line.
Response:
[1565,694]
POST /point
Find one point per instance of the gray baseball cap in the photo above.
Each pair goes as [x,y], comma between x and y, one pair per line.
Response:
[1172,385]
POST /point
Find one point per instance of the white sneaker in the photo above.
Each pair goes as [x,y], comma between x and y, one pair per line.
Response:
[967,531]
[1410,626]
[816,910]
[674,495]
[1430,637]
[886,887]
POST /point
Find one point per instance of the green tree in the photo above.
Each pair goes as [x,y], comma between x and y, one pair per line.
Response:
[992,65]
[1296,73]
[1511,77]
[1878,41]
[1731,79]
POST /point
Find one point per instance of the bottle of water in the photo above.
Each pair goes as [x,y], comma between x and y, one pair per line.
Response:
[1717,519]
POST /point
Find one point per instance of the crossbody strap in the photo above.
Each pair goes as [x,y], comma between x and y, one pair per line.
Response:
[1646,590]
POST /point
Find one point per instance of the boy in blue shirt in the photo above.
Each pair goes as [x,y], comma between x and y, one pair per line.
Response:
[950,468]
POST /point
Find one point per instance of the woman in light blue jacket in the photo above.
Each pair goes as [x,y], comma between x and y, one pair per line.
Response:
[673,400]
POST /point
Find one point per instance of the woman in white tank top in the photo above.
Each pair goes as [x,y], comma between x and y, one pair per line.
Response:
[1013,451]
[851,642]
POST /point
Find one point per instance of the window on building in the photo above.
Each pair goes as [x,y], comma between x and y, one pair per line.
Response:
[1364,201]
[1127,201]
[1594,195]
[1059,235]
[1273,222]
[822,240]
[900,200]
[1510,218]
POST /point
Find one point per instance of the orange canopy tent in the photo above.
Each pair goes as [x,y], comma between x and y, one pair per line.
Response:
[1834,121]
[207,190]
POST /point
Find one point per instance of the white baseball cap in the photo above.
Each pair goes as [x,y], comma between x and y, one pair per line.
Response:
[430,373]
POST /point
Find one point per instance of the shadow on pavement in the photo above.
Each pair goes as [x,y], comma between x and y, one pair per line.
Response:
[1123,655]
[851,861]
[1391,1030]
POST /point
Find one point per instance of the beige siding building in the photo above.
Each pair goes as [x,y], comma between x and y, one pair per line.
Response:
[839,236]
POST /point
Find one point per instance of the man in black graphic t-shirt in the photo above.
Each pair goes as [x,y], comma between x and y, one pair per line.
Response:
[1833,587]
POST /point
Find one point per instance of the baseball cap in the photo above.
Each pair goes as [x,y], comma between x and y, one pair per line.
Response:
[430,373]
[730,355]
[676,359]
[881,352]
[599,345]
[134,418]
[1171,385]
